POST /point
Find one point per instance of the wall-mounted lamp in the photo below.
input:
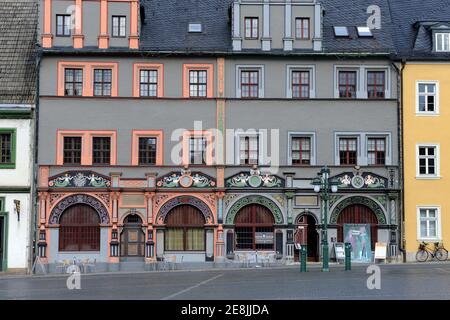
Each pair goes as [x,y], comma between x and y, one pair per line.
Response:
[17,207]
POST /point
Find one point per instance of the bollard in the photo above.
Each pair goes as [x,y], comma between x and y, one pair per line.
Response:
[348,256]
[303,258]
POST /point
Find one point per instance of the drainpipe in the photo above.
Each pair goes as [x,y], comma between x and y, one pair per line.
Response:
[399,71]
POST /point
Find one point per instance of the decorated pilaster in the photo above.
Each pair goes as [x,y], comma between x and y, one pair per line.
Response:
[150,243]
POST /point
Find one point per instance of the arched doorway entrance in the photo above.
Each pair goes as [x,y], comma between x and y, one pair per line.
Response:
[306,233]
[185,229]
[254,228]
[132,237]
[358,214]
[79,229]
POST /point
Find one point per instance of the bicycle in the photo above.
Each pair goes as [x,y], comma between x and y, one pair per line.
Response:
[424,252]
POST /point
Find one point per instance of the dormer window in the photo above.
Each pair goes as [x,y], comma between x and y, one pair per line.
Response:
[443,42]
[341,32]
[251,28]
[364,32]
[195,27]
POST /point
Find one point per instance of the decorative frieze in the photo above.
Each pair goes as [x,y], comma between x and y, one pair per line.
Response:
[365,180]
[79,179]
[186,179]
[254,179]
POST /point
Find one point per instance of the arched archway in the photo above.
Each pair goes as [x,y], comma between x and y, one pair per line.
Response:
[306,233]
[358,214]
[185,200]
[75,199]
[254,228]
[132,238]
[254,199]
[79,229]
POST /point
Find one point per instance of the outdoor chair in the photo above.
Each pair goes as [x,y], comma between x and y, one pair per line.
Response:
[59,264]
[88,264]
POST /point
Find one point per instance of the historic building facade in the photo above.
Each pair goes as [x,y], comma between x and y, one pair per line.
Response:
[424,46]
[18,22]
[195,137]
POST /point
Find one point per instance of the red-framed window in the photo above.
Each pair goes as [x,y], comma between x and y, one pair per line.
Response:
[101,150]
[348,151]
[147,150]
[73,82]
[197,150]
[72,150]
[300,84]
[302,27]
[347,84]
[198,83]
[376,151]
[249,150]
[148,83]
[376,84]
[249,83]
[301,150]
[251,28]
[102,82]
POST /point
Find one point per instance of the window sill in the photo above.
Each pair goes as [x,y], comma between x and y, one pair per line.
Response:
[8,166]
[428,178]
[427,114]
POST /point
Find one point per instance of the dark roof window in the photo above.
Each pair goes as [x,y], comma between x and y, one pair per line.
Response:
[364,32]
[195,27]
[341,32]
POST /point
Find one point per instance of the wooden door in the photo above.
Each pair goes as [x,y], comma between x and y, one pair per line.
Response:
[132,239]
[358,214]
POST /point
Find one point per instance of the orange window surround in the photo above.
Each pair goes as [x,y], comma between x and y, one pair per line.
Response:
[209,145]
[86,144]
[210,78]
[88,75]
[158,134]
[137,67]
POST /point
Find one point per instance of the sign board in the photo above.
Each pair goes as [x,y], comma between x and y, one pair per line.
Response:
[339,250]
[264,237]
[380,250]
[358,235]
[298,246]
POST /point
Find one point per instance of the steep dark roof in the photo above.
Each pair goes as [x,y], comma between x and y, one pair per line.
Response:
[352,14]
[166,25]
[412,22]
[18,34]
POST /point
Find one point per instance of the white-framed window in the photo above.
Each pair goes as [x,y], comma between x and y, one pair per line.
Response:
[249,148]
[250,81]
[427,93]
[428,223]
[363,148]
[301,81]
[362,82]
[301,148]
[443,42]
[251,25]
[428,162]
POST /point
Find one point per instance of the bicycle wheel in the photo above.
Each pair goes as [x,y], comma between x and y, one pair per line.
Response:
[422,255]
[441,254]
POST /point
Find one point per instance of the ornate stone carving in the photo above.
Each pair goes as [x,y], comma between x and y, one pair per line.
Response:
[254,179]
[280,199]
[229,198]
[105,198]
[238,205]
[79,179]
[159,199]
[69,201]
[358,200]
[133,183]
[54,197]
[333,200]
[365,180]
[186,179]
[178,201]
[210,198]
[382,199]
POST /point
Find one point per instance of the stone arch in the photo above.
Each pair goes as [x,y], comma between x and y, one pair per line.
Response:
[254,199]
[128,213]
[74,199]
[368,202]
[185,200]
[306,213]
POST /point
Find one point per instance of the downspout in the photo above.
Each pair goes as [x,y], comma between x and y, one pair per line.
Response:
[402,244]
[34,216]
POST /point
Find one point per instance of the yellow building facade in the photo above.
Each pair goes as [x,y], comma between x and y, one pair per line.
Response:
[426,143]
